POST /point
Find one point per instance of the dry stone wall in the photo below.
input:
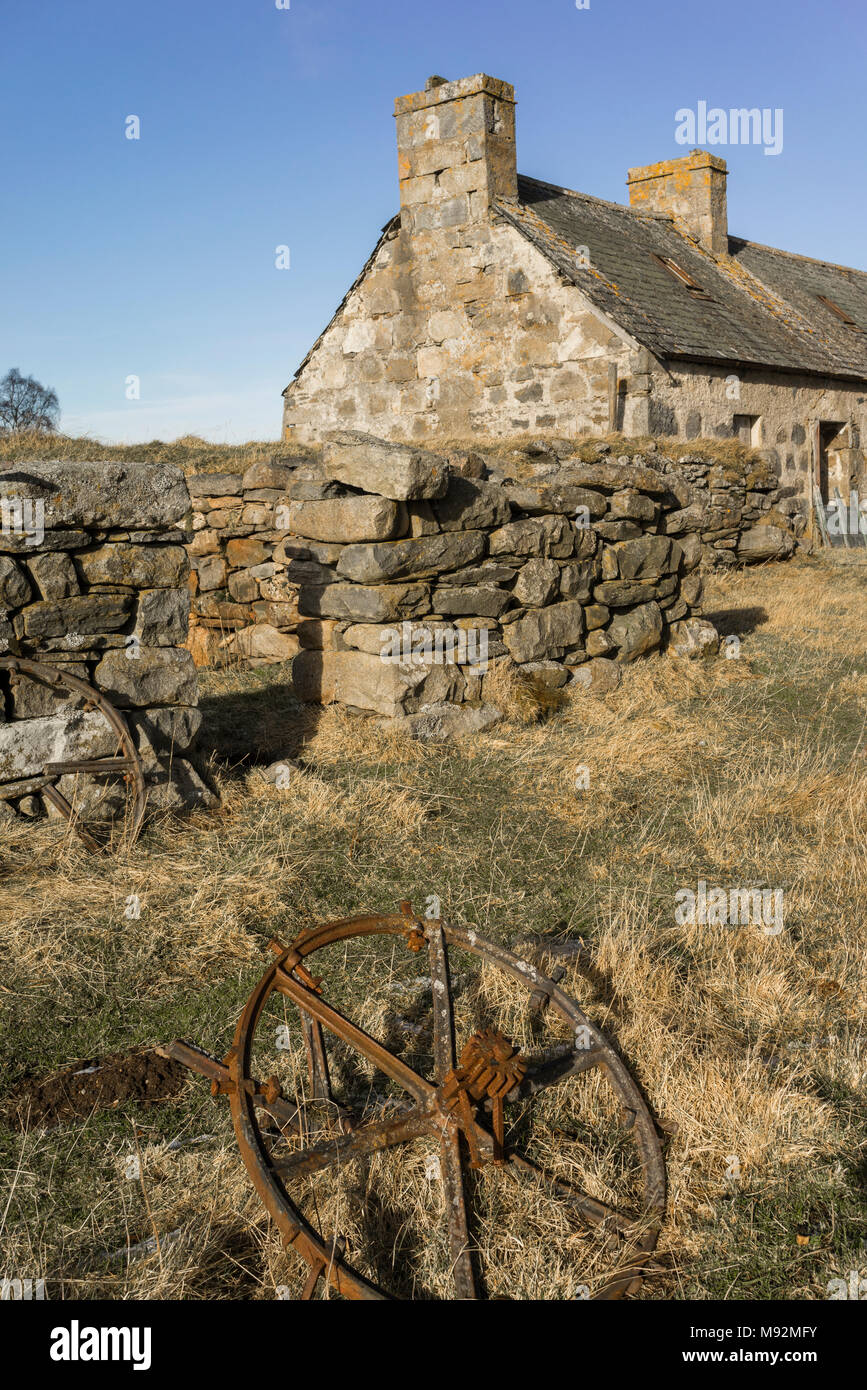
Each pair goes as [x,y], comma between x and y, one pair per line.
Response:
[94,579]
[396,579]
[741,513]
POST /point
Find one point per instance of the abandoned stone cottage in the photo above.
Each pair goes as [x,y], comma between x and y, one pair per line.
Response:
[496,304]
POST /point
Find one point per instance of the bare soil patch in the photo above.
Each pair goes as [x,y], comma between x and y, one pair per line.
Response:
[95,1084]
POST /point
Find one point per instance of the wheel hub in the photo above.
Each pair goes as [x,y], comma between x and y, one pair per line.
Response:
[490,1069]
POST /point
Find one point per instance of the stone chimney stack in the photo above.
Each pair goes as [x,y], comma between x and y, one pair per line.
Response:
[456,151]
[693,189]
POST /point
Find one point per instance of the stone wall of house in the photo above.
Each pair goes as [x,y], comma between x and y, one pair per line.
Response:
[479,335]
[690,401]
[348,563]
[455,331]
[94,578]
[457,325]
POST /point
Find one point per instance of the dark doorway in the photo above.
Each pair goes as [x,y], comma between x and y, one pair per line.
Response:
[829,431]
[748,429]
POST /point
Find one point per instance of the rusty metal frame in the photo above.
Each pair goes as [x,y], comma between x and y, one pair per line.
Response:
[462,1107]
[127,765]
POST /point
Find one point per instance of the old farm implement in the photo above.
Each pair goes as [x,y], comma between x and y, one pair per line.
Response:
[105,773]
[472,1110]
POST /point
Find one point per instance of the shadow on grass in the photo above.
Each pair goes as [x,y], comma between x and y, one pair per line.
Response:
[256,725]
[737,620]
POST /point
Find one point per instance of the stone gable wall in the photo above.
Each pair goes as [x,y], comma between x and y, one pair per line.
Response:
[94,578]
[338,563]
[457,331]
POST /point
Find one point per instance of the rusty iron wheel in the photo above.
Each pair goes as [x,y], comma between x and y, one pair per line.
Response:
[461,1108]
[126,764]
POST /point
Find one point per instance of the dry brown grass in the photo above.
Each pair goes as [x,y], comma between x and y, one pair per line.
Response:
[747,1046]
[190,453]
[507,450]
[195,455]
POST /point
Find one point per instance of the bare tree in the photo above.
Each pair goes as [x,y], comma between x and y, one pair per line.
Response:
[25,404]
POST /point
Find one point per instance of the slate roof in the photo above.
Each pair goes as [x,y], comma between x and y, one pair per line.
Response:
[762,310]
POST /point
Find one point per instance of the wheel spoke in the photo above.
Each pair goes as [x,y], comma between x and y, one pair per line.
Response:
[320,1079]
[310,1003]
[591,1208]
[452,1174]
[556,1068]
[366,1140]
[60,803]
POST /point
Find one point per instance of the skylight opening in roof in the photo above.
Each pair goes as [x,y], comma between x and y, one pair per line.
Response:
[841,313]
[685,279]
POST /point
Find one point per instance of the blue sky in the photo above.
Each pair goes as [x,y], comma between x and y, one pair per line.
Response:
[263,126]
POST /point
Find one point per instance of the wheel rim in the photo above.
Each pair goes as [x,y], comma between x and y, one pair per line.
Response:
[441,1108]
[127,764]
